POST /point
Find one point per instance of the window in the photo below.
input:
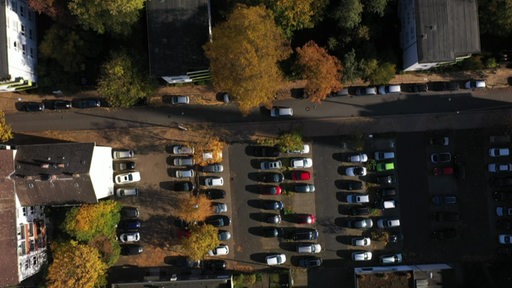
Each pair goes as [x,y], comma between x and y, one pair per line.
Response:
[22,14]
[30,33]
[22,29]
[32,56]
[29,15]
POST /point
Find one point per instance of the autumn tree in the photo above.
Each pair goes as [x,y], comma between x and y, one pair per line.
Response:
[321,71]
[244,56]
[290,141]
[75,265]
[210,146]
[91,220]
[293,15]
[5,129]
[52,8]
[192,208]
[108,248]
[102,16]
[202,239]
[121,83]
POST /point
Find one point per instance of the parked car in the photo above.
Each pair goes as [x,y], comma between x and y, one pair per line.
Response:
[275,259]
[269,165]
[218,220]
[440,171]
[386,179]
[300,175]
[360,211]
[386,155]
[440,141]
[213,168]
[356,171]
[443,157]
[505,238]
[385,166]
[301,163]
[182,150]
[502,196]
[57,104]
[309,248]
[184,186]
[220,208]
[304,234]
[361,241]
[358,198]
[224,235]
[501,182]
[388,223]
[358,158]
[279,111]
[273,205]
[388,89]
[183,161]
[127,178]
[305,218]
[304,188]
[271,232]
[305,150]
[189,173]
[365,91]
[127,191]
[264,151]
[362,256]
[503,211]
[270,189]
[220,250]
[215,194]
[271,177]
[122,154]
[474,84]
[389,203]
[504,224]
[387,192]
[443,86]
[273,218]
[213,265]
[440,200]
[310,262]
[395,237]
[443,234]
[447,216]
[180,99]
[362,223]
[130,224]
[128,212]
[84,103]
[124,166]
[214,181]
[391,259]
[415,88]
[129,237]
[498,152]
[499,167]
[131,249]
[350,184]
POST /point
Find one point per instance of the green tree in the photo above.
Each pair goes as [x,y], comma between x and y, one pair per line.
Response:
[75,265]
[495,17]
[381,74]
[290,141]
[348,14]
[202,239]
[244,56]
[121,83]
[375,6]
[91,220]
[5,129]
[292,15]
[351,71]
[321,71]
[102,16]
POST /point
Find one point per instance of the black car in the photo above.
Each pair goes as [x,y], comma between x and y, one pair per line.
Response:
[184,186]
[264,151]
[395,237]
[388,192]
[310,262]
[414,88]
[129,212]
[440,141]
[131,249]
[272,205]
[502,196]
[443,234]
[350,184]
[445,216]
[57,104]
[386,179]
[304,234]
[213,265]
[271,177]
[443,157]
[215,194]
[443,86]
[360,211]
[218,220]
[32,106]
[86,103]
[132,224]
[504,224]
[501,182]
[271,232]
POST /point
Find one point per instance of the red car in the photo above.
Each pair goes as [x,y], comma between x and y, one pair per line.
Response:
[443,171]
[301,175]
[270,190]
[305,219]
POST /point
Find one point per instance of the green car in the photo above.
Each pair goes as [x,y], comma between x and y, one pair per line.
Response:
[385,166]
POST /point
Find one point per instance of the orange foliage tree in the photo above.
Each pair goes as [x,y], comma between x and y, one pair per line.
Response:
[321,71]
[192,208]
[202,239]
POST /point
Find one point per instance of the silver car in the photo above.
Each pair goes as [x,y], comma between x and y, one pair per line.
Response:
[122,154]
[185,173]
[180,99]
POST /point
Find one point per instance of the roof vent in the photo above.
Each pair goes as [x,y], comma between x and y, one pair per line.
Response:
[45,165]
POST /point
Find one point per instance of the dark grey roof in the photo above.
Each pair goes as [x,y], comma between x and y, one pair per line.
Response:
[177,30]
[53,174]
[4,64]
[446,29]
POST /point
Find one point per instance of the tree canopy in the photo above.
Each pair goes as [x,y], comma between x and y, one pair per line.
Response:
[292,15]
[5,129]
[120,82]
[495,17]
[102,16]
[75,265]
[378,73]
[92,220]
[192,208]
[244,56]
[348,13]
[290,141]
[202,239]
[321,71]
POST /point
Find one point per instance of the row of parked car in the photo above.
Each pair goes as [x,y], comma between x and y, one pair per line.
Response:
[129,231]
[58,104]
[125,174]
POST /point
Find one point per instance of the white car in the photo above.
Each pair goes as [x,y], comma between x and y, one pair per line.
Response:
[129,237]
[391,259]
[185,173]
[474,84]
[358,158]
[388,223]
[122,154]
[496,167]
[497,152]
[276,259]
[361,241]
[126,178]
[387,89]
[305,150]
[356,171]
[220,208]
[220,250]
[384,155]
[177,79]
[358,198]
[309,248]
[213,181]
[268,165]
[362,256]
[301,163]
[389,204]
[505,238]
